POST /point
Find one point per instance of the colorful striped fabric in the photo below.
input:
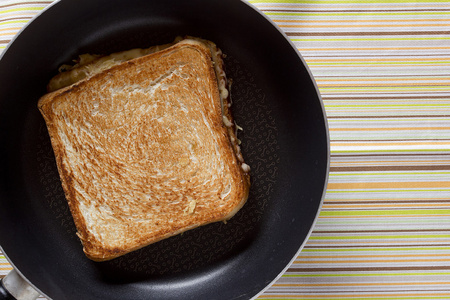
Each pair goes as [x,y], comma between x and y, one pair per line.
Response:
[383,69]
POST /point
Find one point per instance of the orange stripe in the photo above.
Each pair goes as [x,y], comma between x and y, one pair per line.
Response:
[369,241]
[387,185]
[390,144]
[369,261]
[389,128]
[381,199]
[391,162]
[367,64]
[10,29]
[374,48]
[379,59]
[383,216]
[387,84]
[401,294]
[426,80]
[360,284]
[359,25]
[359,205]
[299,5]
[372,255]
[444,100]
[400,78]
[7,34]
[384,163]
[392,21]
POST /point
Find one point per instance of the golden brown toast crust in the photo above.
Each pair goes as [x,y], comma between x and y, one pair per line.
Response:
[142,150]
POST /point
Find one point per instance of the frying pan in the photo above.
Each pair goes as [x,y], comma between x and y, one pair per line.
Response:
[285,141]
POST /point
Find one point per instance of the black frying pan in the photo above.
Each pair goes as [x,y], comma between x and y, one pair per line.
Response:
[285,141]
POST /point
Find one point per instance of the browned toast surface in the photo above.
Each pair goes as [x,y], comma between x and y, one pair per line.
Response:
[143,152]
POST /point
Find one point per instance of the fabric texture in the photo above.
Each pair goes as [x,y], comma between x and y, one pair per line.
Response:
[383,70]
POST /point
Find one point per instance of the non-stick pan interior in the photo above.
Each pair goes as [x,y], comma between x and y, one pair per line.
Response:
[284,141]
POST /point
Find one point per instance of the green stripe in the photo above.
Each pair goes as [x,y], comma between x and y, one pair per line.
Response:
[355,39]
[356,274]
[386,212]
[350,89]
[391,150]
[375,62]
[379,237]
[383,174]
[376,121]
[352,14]
[20,22]
[399,249]
[28,8]
[387,191]
[439,222]
[411,104]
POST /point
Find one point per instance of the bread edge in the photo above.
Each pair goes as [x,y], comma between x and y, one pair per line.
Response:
[92,251]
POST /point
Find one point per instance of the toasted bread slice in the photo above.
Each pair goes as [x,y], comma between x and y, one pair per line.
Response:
[147,149]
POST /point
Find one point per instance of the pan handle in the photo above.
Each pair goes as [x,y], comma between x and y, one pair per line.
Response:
[4,294]
[14,287]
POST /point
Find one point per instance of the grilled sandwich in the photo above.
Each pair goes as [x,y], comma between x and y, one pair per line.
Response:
[145,145]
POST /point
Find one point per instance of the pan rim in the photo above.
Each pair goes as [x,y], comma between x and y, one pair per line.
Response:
[325,124]
[26,26]
[328,149]
[16,36]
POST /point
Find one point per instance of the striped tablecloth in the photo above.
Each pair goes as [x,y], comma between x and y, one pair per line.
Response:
[383,69]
